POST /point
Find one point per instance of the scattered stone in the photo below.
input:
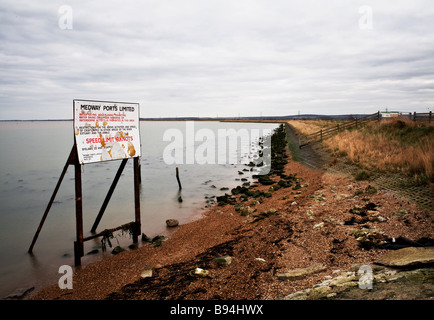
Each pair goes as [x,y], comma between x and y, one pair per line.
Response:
[370,237]
[156,241]
[117,249]
[223,260]
[225,199]
[147,272]
[260,260]
[145,238]
[318,226]
[300,273]
[245,211]
[198,272]
[408,257]
[265,180]
[172,223]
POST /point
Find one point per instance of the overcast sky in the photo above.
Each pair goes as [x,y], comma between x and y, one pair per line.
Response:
[216,57]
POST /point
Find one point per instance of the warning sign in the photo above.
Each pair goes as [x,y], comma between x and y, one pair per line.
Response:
[106,130]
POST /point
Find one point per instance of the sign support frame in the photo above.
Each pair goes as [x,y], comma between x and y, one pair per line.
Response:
[73,159]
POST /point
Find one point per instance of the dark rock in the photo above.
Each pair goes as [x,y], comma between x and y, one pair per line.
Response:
[145,238]
[223,261]
[156,241]
[117,250]
[266,180]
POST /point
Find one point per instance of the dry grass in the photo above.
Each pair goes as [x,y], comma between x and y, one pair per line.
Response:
[311,126]
[390,145]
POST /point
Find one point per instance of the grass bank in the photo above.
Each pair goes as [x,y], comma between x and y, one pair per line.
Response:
[395,146]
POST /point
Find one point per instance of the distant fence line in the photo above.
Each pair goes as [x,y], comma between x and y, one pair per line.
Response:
[415,116]
[325,133]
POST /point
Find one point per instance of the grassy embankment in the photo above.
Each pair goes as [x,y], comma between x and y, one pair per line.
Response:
[393,146]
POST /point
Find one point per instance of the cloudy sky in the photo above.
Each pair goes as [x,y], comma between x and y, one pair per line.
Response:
[216,57]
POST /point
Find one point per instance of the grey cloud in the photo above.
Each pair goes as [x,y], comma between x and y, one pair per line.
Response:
[196,57]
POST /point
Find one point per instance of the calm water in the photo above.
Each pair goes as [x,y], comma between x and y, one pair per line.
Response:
[31,159]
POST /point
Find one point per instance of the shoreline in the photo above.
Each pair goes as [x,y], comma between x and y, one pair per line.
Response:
[300,224]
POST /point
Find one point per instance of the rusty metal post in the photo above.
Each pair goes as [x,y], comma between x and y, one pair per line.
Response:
[109,195]
[70,160]
[137,227]
[78,244]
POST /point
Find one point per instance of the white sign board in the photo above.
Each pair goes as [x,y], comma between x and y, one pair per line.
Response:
[106,130]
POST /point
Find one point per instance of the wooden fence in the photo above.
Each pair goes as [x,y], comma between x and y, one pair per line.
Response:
[324,133]
[427,116]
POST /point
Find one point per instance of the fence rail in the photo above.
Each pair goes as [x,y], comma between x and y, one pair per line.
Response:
[424,116]
[324,133]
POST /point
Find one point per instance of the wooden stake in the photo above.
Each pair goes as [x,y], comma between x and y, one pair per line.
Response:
[177,178]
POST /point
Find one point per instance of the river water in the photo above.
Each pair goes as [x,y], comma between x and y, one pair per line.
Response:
[32,157]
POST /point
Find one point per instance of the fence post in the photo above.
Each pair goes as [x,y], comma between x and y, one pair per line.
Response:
[321,134]
[430,116]
[414,116]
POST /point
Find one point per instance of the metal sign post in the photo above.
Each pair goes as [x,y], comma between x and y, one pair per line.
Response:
[102,131]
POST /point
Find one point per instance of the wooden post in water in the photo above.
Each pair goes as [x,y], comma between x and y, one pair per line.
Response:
[177,178]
